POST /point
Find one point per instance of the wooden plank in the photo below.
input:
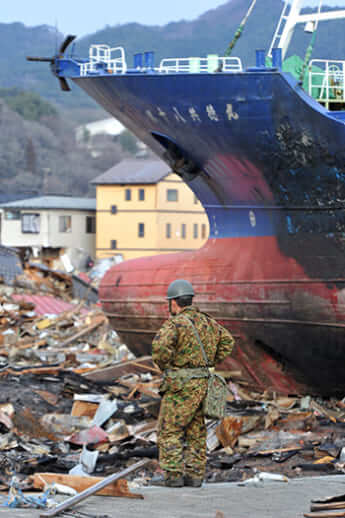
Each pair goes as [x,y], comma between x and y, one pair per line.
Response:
[32,370]
[140,387]
[326,514]
[97,321]
[116,488]
[128,367]
[84,408]
[93,490]
[51,398]
[327,507]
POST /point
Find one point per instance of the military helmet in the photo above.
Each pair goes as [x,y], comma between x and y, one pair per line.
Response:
[180,288]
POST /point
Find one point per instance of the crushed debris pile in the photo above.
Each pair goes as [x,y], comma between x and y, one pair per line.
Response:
[33,278]
[76,338]
[290,436]
[37,278]
[74,403]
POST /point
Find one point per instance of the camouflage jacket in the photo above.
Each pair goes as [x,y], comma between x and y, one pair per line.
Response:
[175,346]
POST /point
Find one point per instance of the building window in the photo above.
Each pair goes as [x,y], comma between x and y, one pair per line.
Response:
[172,195]
[114,209]
[31,223]
[12,214]
[141,195]
[195,230]
[113,244]
[128,194]
[203,231]
[65,223]
[90,224]
[183,231]
[141,229]
[168,230]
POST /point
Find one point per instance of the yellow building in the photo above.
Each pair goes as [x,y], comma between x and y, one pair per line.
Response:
[144,209]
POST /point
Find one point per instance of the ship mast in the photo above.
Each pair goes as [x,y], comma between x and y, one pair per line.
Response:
[291,17]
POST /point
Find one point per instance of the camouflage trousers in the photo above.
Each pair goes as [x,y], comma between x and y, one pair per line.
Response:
[182,430]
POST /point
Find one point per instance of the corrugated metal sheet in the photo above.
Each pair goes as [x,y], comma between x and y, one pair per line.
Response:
[45,304]
[10,265]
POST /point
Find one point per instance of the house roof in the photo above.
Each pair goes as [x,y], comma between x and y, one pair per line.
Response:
[8,197]
[52,202]
[134,171]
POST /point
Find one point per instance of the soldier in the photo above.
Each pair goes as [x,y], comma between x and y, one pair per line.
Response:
[177,352]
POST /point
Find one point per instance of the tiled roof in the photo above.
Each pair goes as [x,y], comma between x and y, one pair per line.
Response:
[134,171]
[52,202]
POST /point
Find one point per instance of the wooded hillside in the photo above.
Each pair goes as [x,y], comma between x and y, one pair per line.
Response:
[210,33]
[39,152]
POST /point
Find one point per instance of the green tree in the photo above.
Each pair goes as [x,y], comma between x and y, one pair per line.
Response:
[128,142]
[28,105]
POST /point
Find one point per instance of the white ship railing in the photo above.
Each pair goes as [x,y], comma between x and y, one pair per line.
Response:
[113,60]
[211,64]
[326,81]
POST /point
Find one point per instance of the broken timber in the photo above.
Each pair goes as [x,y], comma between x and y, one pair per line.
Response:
[93,489]
[326,514]
[116,488]
[143,364]
[327,507]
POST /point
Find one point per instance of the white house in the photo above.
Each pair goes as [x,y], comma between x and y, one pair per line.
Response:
[102,127]
[49,224]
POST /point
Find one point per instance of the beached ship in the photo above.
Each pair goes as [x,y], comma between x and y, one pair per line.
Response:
[267,160]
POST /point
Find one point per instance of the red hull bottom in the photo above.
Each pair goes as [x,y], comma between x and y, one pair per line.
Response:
[289,328]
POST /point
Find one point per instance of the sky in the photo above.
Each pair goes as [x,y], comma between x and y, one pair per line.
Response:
[86,16]
[83,17]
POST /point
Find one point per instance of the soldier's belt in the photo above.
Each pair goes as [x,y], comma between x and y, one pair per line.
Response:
[187,374]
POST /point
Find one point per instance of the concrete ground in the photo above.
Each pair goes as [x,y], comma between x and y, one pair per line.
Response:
[271,500]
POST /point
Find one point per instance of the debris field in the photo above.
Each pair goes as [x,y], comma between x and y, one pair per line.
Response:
[76,406]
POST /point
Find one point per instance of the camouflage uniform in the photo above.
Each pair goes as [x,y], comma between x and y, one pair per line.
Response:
[181,426]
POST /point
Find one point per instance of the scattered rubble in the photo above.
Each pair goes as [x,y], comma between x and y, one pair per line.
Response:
[95,488]
[31,278]
[76,406]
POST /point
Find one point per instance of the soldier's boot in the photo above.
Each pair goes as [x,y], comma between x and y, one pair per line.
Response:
[167,480]
[192,481]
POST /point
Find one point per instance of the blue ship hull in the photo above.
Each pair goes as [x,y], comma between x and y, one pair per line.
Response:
[268,164]
[264,160]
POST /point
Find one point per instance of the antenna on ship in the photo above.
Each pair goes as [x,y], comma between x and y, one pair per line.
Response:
[239,30]
[59,55]
[56,36]
[291,16]
[310,27]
